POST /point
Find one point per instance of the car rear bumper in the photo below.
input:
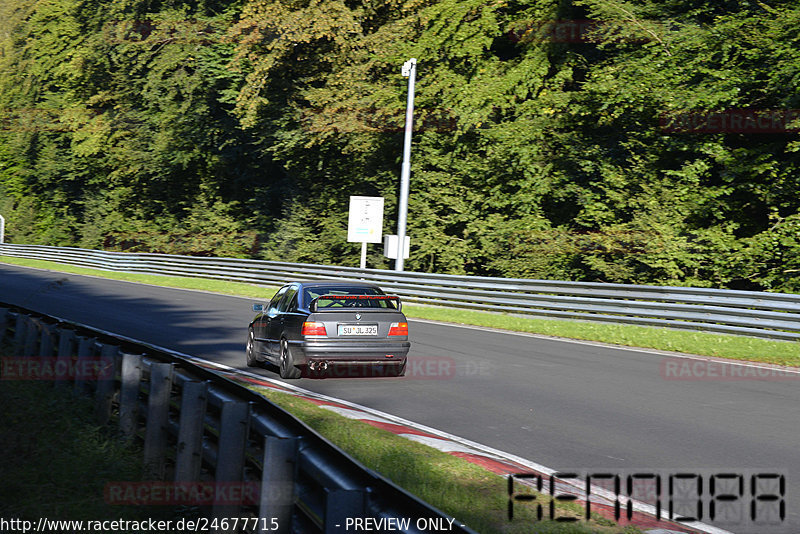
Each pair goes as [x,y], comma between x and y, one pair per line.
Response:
[346,353]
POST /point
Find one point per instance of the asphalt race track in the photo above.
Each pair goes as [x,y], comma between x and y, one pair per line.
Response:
[564,405]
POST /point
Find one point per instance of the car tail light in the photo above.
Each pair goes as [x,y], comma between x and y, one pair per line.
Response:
[398,329]
[313,329]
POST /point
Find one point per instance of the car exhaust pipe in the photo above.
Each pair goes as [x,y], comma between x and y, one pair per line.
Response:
[318,366]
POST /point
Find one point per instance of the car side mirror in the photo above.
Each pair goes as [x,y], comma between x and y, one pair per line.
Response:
[258,307]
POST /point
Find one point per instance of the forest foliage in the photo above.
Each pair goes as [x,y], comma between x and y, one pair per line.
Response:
[636,141]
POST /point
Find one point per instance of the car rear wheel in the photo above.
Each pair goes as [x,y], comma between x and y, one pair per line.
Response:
[287,367]
[250,351]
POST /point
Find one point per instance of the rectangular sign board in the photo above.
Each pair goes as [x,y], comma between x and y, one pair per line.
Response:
[365,222]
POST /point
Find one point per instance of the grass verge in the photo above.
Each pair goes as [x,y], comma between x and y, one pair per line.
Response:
[461,489]
[201,284]
[56,461]
[702,343]
[687,341]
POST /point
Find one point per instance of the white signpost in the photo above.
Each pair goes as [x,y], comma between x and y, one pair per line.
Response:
[365,223]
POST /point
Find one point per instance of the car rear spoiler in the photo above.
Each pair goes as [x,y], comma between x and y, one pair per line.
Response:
[312,306]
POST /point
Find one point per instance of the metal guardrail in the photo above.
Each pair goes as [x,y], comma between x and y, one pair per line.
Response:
[232,452]
[752,313]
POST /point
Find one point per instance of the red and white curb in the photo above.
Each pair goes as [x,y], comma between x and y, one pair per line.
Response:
[502,463]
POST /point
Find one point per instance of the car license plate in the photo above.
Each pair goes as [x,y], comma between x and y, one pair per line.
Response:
[358,330]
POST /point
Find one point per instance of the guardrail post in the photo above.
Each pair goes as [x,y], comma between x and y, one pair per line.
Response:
[189,454]
[233,429]
[85,349]
[106,380]
[339,505]
[46,341]
[19,334]
[31,337]
[155,435]
[129,394]
[277,480]
[66,337]
[3,324]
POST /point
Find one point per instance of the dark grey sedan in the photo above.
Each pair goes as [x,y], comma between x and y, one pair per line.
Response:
[330,328]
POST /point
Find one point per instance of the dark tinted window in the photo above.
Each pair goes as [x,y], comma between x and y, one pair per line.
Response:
[273,304]
[288,298]
[293,303]
[311,293]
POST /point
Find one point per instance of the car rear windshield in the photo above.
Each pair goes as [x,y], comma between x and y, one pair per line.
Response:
[311,293]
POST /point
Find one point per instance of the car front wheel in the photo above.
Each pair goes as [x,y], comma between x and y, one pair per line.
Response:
[287,367]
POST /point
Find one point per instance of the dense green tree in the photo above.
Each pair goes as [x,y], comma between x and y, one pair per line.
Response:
[119,121]
[553,139]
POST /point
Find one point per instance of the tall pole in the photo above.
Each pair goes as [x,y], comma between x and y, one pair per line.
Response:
[2,229]
[363,254]
[409,70]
